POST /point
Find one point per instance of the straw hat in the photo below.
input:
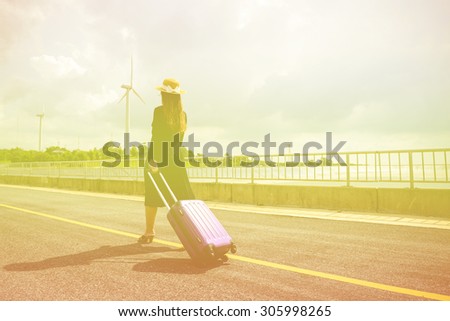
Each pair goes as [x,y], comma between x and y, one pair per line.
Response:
[171,86]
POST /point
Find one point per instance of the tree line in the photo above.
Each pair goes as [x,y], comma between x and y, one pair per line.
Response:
[53,153]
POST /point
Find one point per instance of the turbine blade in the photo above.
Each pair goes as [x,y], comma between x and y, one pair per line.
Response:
[124,95]
[135,92]
[131,71]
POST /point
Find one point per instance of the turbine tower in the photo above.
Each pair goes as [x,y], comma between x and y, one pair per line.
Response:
[41,116]
[126,95]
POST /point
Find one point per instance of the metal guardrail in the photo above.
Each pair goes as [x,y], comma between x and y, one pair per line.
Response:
[408,167]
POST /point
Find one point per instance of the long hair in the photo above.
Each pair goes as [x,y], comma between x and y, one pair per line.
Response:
[173,111]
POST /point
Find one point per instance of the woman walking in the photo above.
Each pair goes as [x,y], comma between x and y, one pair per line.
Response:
[168,128]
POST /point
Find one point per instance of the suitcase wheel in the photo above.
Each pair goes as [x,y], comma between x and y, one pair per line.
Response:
[233,248]
[211,251]
[224,258]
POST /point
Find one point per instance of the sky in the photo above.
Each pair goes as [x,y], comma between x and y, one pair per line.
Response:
[374,73]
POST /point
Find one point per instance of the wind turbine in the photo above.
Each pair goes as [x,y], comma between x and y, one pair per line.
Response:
[41,116]
[126,95]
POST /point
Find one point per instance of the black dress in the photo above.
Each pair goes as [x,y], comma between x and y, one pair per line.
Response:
[164,154]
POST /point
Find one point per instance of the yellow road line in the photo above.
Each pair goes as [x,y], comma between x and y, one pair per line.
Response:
[397,220]
[335,277]
[91,226]
[283,267]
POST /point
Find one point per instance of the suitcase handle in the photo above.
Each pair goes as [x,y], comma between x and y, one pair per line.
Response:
[159,191]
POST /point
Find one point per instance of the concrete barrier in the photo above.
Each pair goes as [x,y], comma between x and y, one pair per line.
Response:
[424,202]
[213,192]
[428,202]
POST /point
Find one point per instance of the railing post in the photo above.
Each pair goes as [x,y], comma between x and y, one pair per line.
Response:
[216,170]
[445,164]
[411,170]
[252,174]
[347,160]
[376,166]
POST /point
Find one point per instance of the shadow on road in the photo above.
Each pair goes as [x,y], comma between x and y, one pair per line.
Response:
[85,258]
[173,265]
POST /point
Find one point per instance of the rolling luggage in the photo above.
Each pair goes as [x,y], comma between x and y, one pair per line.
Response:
[202,235]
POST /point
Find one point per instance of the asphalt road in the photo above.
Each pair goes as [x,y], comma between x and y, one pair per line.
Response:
[69,246]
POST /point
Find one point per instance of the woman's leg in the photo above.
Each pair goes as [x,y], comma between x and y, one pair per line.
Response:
[150,216]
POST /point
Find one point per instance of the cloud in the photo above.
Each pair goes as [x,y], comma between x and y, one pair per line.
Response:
[127,34]
[17,18]
[250,67]
[100,100]
[57,67]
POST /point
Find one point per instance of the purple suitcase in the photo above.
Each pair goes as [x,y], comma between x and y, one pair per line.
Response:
[200,232]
